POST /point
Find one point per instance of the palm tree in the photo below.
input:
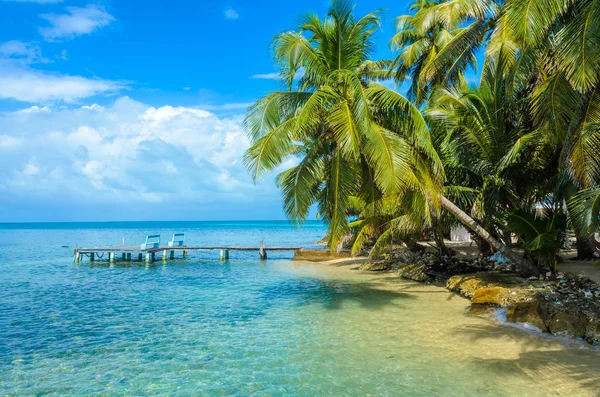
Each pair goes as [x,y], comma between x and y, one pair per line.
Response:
[438,43]
[350,135]
[556,46]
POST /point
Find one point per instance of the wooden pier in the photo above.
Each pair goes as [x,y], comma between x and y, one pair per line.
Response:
[130,253]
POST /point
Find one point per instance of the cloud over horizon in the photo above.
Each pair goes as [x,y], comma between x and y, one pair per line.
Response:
[126,156]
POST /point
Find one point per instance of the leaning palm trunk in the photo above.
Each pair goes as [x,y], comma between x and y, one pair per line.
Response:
[527,266]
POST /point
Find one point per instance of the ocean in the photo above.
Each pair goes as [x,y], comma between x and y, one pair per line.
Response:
[244,327]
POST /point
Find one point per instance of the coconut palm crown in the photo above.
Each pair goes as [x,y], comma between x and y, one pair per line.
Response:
[349,135]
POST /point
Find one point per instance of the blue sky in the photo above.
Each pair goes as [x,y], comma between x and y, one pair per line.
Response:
[128,110]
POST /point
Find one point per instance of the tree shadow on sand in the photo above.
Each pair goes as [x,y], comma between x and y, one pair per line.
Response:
[539,357]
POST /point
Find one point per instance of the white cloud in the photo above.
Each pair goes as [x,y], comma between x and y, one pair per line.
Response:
[230,13]
[35,109]
[95,107]
[24,52]
[126,153]
[75,22]
[266,76]
[30,85]
[31,169]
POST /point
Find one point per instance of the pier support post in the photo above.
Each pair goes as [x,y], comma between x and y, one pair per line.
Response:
[262,252]
[184,254]
[123,257]
[172,255]
[224,255]
[77,256]
[164,256]
[92,256]
[129,257]
[111,257]
[153,256]
[147,257]
[140,257]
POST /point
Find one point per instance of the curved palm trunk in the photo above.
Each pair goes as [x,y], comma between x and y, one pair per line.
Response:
[469,222]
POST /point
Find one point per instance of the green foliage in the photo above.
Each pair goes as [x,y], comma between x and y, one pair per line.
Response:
[528,133]
[542,236]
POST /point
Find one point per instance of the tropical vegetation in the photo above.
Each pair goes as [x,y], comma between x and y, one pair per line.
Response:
[512,151]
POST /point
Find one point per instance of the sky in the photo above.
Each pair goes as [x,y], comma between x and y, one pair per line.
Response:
[129,110]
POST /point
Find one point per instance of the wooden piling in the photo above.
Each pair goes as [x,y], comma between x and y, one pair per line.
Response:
[224,255]
[262,252]
[111,257]
[164,255]
[129,257]
[140,257]
[172,255]
[92,255]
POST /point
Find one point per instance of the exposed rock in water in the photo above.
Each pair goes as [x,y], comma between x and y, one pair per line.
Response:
[416,273]
[526,312]
[570,307]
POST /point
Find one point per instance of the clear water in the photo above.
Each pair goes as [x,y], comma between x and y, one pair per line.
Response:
[203,328]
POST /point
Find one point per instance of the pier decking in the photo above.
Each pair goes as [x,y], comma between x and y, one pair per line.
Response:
[129,253]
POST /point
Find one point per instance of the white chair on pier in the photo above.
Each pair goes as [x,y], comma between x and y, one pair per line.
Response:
[151,242]
[177,240]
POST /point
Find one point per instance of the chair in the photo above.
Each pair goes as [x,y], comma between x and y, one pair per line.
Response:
[151,242]
[177,240]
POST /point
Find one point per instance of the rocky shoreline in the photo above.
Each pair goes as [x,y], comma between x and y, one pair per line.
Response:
[568,305]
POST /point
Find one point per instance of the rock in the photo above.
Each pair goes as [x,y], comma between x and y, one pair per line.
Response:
[376,266]
[526,312]
[415,273]
[467,284]
[592,332]
[563,319]
[501,296]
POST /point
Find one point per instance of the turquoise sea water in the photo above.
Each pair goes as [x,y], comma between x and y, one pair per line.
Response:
[198,327]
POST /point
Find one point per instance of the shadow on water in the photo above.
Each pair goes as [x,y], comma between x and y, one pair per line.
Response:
[580,363]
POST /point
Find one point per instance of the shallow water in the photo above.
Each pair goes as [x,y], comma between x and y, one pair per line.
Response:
[200,327]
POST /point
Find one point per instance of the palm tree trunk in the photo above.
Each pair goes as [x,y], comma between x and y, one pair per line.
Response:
[585,248]
[527,266]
